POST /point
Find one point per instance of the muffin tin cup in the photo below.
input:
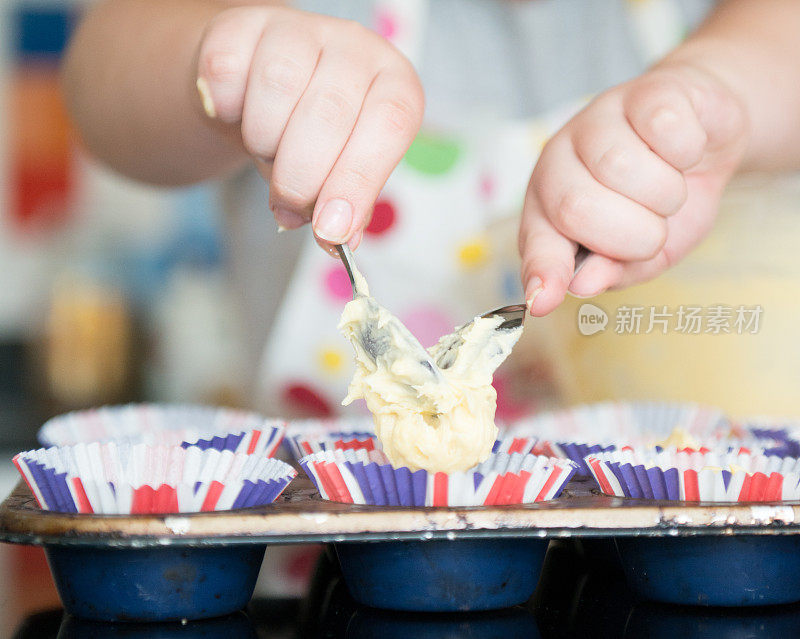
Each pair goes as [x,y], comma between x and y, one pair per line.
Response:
[442,575]
[154,584]
[753,570]
[142,479]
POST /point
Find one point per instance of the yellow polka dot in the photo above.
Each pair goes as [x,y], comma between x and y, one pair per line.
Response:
[330,360]
[539,135]
[473,253]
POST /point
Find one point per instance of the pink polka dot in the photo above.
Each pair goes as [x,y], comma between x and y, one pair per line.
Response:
[386,24]
[508,408]
[337,284]
[428,324]
[383,218]
[487,186]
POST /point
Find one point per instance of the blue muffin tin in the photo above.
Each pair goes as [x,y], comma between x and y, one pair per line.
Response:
[741,570]
[425,559]
[154,584]
[442,575]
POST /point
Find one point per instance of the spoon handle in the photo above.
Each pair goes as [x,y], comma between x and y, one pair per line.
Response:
[353,273]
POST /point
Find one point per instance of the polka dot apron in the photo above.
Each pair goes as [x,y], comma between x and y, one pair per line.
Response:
[440,246]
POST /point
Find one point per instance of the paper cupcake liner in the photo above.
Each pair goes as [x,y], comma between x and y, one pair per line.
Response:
[694,476]
[367,477]
[592,428]
[251,442]
[776,437]
[308,436]
[300,446]
[141,479]
[163,424]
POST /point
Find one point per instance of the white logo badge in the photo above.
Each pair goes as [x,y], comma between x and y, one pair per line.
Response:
[591,319]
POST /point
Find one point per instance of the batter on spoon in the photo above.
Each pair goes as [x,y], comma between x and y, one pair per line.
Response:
[441,421]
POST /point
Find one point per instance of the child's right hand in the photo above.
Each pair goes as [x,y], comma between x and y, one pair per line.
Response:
[327,108]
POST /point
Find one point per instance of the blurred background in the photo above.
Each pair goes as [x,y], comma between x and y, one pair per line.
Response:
[107,286]
[111,291]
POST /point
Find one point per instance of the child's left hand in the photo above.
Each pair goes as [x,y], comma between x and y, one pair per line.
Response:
[635,177]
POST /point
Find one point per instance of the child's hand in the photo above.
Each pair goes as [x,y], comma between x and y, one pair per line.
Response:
[326,107]
[635,177]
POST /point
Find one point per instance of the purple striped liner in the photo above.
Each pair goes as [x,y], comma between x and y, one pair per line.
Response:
[367,477]
[140,479]
[696,476]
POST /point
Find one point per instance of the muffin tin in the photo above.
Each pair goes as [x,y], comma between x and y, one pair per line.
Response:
[301,516]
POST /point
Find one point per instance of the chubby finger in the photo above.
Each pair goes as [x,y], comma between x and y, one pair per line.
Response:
[662,114]
[387,124]
[620,160]
[318,130]
[224,60]
[548,260]
[283,64]
[587,212]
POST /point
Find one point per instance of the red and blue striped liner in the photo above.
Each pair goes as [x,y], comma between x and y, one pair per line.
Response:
[307,436]
[696,476]
[161,424]
[367,477]
[301,446]
[589,429]
[251,442]
[141,479]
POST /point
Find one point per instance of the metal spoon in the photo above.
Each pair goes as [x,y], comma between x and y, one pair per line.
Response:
[376,337]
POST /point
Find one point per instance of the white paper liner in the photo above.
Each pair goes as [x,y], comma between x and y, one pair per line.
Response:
[107,478]
[165,424]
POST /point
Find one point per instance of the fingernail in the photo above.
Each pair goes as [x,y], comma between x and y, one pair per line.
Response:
[585,297]
[536,282]
[288,220]
[205,97]
[334,220]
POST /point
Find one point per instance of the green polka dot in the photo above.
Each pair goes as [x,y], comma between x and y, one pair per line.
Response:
[432,155]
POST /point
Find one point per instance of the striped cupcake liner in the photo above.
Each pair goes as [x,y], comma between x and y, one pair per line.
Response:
[593,428]
[111,479]
[696,476]
[162,424]
[251,442]
[367,477]
[308,436]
